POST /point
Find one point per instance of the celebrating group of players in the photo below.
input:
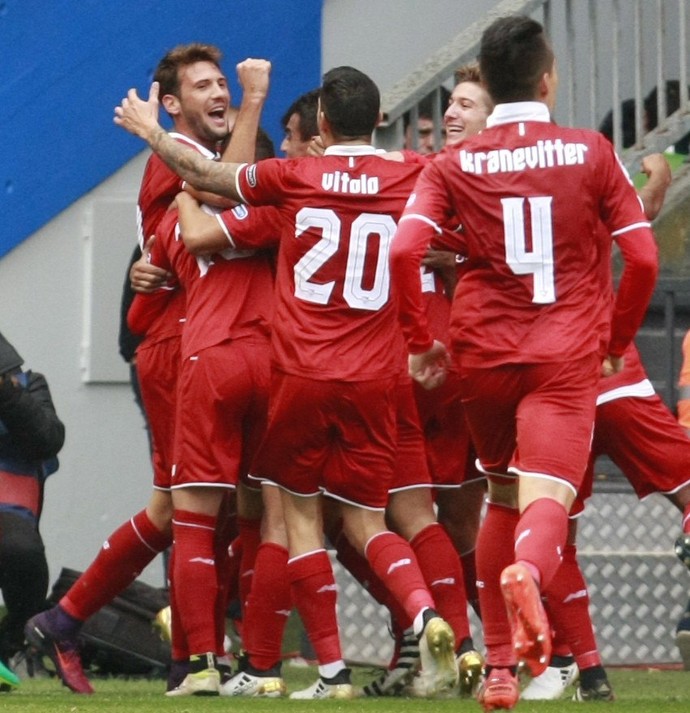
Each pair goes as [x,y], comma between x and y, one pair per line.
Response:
[280,299]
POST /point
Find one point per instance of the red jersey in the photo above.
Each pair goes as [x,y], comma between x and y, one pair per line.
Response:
[229,294]
[335,319]
[529,195]
[159,186]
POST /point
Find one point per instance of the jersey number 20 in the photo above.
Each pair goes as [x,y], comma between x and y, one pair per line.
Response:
[363,227]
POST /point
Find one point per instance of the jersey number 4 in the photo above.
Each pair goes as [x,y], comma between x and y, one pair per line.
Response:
[362,229]
[538,261]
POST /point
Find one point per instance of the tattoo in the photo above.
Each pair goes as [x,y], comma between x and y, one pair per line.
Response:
[192,167]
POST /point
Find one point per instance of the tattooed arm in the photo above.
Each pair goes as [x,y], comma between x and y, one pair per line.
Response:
[140,118]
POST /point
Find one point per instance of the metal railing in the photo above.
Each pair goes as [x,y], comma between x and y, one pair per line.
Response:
[612,56]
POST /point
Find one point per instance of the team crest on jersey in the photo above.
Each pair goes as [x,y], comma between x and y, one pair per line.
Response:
[251,175]
[240,212]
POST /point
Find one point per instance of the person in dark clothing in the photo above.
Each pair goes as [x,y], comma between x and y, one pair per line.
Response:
[31,435]
[128,341]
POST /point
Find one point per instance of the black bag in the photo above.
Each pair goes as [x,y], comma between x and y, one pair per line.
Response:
[121,638]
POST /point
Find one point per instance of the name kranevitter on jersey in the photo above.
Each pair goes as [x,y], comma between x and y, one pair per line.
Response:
[545,154]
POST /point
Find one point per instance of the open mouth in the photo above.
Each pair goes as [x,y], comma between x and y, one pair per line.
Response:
[218,116]
[455,130]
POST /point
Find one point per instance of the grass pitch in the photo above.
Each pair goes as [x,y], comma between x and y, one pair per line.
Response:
[637,691]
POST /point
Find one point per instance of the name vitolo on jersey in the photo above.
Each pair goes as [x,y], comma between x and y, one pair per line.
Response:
[545,153]
[342,182]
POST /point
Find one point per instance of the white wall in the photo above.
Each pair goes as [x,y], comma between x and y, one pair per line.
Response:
[105,474]
[388,39]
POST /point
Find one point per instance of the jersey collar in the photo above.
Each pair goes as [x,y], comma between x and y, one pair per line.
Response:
[518,111]
[350,150]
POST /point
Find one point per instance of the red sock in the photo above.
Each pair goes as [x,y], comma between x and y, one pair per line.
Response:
[686,520]
[250,532]
[313,591]
[268,607]
[568,605]
[395,564]
[120,561]
[179,651]
[440,566]
[196,587]
[540,538]
[494,553]
[361,570]
[469,571]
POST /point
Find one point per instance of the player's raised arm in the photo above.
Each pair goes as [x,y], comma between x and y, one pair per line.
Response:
[140,117]
[253,76]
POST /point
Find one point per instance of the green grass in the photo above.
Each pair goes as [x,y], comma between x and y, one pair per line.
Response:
[637,690]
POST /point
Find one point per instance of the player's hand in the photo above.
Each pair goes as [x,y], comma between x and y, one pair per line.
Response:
[137,116]
[612,365]
[440,259]
[253,76]
[316,147]
[145,277]
[655,164]
[429,369]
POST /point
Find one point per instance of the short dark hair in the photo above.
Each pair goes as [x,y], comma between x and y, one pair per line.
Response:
[168,70]
[351,102]
[305,106]
[264,146]
[514,55]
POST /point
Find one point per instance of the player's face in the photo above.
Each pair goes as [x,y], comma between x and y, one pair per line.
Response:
[203,103]
[293,145]
[468,109]
[425,136]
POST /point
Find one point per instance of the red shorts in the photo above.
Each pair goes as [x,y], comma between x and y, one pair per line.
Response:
[158,366]
[533,418]
[223,398]
[449,449]
[334,437]
[642,437]
[411,469]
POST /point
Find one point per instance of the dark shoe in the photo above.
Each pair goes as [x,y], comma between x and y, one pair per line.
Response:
[64,653]
[600,691]
[393,681]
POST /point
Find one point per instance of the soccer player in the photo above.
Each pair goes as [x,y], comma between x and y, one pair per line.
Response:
[299,124]
[195,95]
[222,399]
[331,419]
[460,488]
[530,323]
[642,437]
